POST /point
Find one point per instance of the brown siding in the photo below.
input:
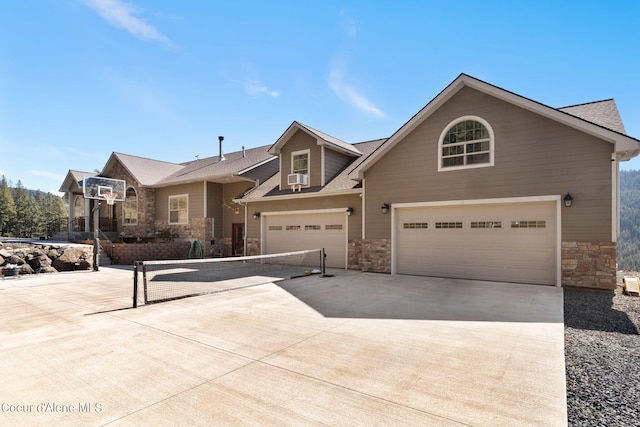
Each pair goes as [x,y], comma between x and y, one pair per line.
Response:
[214,206]
[301,141]
[334,162]
[345,201]
[196,199]
[229,216]
[533,156]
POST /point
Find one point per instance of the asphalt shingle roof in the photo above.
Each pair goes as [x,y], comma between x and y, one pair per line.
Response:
[603,113]
[340,182]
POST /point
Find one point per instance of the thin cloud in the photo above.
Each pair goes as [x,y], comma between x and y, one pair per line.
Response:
[254,88]
[121,15]
[48,174]
[348,94]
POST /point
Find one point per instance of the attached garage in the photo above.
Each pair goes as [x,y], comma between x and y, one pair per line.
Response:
[295,231]
[498,241]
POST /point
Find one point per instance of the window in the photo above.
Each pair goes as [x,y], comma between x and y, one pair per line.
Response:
[333,227]
[179,209]
[312,227]
[415,225]
[275,228]
[130,207]
[448,225]
[486,224]
[466,142]
[300,162]
[292,227]
[528,224]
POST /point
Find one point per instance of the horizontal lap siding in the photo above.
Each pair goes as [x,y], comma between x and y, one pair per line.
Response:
[196,199]
[533,156]
[301,141]
[334,162]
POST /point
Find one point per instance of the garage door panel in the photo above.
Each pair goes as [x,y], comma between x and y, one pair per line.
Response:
[295,232]
[509,242]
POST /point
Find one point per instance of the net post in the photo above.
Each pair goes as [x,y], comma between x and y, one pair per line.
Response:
[144,282]
[323,257]
[135,284]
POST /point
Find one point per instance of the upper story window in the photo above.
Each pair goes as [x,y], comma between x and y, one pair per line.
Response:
[300,162]
[179,209]
[130,207]
[467,142]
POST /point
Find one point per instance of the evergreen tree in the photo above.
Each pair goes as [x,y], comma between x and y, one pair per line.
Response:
[7,207]
[28,215]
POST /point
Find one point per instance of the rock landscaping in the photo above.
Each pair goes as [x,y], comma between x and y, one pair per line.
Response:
[32,258]
[602,356]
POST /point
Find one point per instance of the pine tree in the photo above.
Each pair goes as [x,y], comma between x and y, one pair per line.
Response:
[27,212]
[7,207]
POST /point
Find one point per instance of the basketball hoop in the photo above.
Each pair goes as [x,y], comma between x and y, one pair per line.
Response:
[110,197]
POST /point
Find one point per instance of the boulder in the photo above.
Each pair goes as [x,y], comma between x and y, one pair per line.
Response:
[47,270]
[15,259]
[26,269]
[53,254]
[73,259]
[4,253]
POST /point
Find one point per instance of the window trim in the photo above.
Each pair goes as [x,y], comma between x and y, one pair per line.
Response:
[124,205]
[474,165]
[308,153]
[176,196]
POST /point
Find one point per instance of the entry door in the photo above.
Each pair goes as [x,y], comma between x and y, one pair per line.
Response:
[237,241]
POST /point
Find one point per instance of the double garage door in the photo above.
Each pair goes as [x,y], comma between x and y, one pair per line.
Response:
[514,242]
[295,232]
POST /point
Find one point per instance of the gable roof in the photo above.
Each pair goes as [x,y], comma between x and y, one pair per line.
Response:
[321,138]
[212,169]
[341,183]
[604,113]
[73,181]
[146,171]
[151,173]
[625,147]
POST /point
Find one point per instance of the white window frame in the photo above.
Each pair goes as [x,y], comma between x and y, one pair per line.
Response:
[124,205]
[308,153]
[177,196]
[465,166]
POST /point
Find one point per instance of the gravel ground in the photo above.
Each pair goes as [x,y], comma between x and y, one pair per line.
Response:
[602,355]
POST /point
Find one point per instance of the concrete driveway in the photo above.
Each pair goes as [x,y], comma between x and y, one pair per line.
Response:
[354,349]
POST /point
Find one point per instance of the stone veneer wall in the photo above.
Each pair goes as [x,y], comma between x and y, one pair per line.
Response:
[354,254]
[253,246]
[146,206]
[376,255]
[127,253]
[196,229]
[589,264]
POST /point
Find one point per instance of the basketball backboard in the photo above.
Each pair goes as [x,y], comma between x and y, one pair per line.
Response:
[94,187]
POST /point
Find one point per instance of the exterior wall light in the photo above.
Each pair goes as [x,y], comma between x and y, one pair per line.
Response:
[385,208]
[349,211]
[568,200]
[256,215]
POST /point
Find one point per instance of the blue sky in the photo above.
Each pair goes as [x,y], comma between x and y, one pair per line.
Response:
[162,79]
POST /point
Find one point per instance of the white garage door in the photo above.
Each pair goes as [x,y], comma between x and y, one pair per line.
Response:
[295,232]
[502,242]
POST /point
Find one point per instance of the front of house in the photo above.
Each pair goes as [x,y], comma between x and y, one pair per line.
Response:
[480,184]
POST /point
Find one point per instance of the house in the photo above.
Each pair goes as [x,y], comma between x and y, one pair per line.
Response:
[481,183]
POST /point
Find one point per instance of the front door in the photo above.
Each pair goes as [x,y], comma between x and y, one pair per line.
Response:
[237,241]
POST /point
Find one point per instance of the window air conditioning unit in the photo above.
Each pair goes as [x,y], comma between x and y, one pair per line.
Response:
[297,179]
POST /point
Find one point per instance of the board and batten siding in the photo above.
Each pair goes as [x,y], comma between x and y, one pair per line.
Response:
[301,141]
[534,156]
[196,199]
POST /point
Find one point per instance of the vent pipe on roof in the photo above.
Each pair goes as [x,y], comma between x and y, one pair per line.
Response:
[243,153]
[221,156]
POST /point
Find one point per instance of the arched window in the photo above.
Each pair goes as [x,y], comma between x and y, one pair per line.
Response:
[130,207]
[466,142]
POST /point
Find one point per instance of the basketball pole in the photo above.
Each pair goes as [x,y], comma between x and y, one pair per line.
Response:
[96,240]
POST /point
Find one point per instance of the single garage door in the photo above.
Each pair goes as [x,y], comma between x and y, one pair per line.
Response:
[295,232]
[513,242]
